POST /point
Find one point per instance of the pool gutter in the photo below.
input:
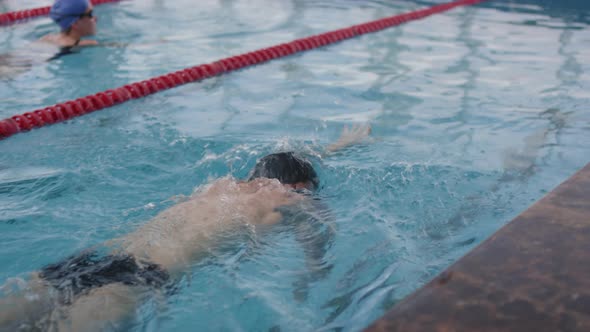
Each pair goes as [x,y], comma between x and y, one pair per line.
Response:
[531,275]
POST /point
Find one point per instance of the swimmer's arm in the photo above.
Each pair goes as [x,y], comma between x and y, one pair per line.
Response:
[349,136]
[114,44]
[96,43]
[315,235]
[88,43]
[122,44]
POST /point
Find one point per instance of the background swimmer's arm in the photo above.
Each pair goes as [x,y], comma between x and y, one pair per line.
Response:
[349,136]
[91,42]
[126,44]
[95,43]
[113,44]
[88,43]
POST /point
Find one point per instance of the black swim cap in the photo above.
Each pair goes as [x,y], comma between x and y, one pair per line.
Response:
[286,167]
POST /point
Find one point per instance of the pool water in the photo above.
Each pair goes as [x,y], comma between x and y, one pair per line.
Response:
[476,114]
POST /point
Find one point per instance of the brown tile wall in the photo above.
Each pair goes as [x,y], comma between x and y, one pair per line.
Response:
[532,275]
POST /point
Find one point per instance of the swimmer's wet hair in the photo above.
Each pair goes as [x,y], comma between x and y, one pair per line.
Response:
[286,167]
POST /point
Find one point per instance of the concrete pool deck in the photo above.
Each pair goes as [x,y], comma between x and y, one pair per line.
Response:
[531,275]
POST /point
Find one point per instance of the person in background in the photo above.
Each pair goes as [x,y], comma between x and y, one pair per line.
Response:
[76,20]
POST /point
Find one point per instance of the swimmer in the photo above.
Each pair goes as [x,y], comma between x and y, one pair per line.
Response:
[100,287]
[76,20]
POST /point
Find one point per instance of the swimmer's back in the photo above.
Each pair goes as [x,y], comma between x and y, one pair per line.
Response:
[176,236]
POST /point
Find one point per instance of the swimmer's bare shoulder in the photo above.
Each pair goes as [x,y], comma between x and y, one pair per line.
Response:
[178,233]
[264,199]
[58,40]
[255,202]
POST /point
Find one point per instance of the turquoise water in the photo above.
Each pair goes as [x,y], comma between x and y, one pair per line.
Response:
[476,114]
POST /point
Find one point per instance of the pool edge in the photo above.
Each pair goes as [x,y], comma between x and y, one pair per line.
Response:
[531,275]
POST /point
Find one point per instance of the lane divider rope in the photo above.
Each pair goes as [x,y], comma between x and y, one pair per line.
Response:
[70,109]
[27,14]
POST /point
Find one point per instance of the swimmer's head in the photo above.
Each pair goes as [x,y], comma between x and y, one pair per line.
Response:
[67,12]
[288,168]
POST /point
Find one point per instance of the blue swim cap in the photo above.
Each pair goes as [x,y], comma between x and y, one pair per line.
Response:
[66,12]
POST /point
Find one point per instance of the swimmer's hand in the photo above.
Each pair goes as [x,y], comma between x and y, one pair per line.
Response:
[350,136]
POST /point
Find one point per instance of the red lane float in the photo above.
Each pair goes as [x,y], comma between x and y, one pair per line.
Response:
[67,110]
[23,15]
